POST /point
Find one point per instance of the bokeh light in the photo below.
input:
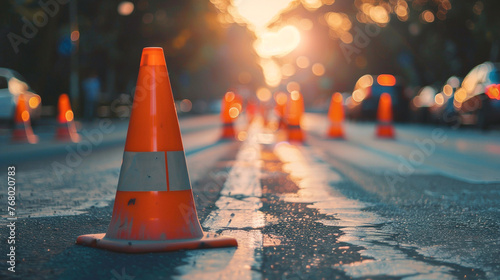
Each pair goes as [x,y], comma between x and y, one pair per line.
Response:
[302,62]
[234,112]
[447,90]
[186,105]
[460,95]
[439,99]
[25,116]
[295,95]
[264,94]
[281,98]
[358,95]
[75,35]
[242,135]
[427,16]
[69,115]
[386,80]
[365,81]
[293,86]
[229,96]
[34,102]
[125,8]
[318,69]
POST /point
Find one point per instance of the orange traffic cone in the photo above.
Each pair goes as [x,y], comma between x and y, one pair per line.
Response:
[154,210]
[22,124]
[230,110]
[66,129]
[294,112]
[280,98]
[336,116]
[385,129]
[251,110]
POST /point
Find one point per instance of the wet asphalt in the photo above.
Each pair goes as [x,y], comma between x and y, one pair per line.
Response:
[47,249]
[426,221]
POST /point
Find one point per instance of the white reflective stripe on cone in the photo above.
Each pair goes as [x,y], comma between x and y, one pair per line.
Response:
[143,171]
[178,177]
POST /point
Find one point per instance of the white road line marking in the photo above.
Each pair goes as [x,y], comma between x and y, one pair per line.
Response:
[315,179]
[238,216]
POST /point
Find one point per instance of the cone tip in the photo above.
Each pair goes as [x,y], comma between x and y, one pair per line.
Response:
[152,56]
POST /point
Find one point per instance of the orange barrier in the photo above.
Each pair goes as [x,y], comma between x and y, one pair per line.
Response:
[66,129]
[23,131]
[154,210]
[294,112]
[230,110]
[385,128]
[251,110]
[336,116]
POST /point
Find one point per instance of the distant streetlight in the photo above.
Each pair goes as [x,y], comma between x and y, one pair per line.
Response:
[125,8]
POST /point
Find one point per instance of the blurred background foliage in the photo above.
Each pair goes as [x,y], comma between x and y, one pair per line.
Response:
[209,45]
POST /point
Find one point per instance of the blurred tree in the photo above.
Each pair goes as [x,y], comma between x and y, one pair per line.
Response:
[426,41]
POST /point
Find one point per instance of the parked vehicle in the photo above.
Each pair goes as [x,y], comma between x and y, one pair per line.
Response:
[477,101]
[423,103]
[443,111]
[13,85]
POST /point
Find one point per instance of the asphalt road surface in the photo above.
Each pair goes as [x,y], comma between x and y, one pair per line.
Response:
[423,206]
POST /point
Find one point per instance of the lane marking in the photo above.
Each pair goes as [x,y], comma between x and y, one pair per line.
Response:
[383,155]
[317,180]
[238,216]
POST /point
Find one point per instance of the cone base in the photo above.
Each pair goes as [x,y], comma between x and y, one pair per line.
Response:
[22,135]
[64,134]
[340,137]
[335,132]
[228,132]
[385,131]
[152,246]
[295,135]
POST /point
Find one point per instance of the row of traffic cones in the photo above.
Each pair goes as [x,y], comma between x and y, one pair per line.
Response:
[22,124]
[291,109]
[295,109]
[65,131]
[384,129]
[290,112]
[230,110]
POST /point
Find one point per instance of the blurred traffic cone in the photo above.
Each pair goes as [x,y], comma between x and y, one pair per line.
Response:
[154,210]
[280,98]
[22,124]
[66,129]
[336,116]
[294,112]
[385,128]
[230,110]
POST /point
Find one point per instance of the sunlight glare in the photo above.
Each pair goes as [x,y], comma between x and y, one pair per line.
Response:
[278,43]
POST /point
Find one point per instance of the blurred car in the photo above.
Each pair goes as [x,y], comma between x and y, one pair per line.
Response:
[477,101]
[443,111]
[423,103]
[13,85]
[363,103]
